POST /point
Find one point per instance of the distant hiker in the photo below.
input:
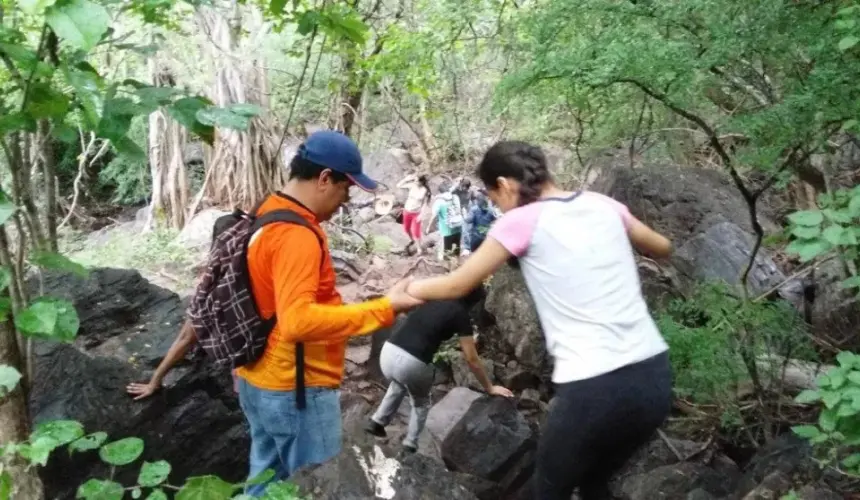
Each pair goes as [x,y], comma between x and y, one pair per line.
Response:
[417,198]
[449,213]
[290,364]
[613,381]
[463,190]
[478,220]
[406,361]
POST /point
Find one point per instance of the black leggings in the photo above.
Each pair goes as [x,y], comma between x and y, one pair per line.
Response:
[595,425]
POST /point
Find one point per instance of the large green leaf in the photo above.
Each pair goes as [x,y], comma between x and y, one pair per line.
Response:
[100,489]
[61,431]
[116,118]
[88,90]
[81,23]
[35,6]
[834,234]
[205,488]
[807,250]
[806,431]
[224,117]
[58,262]
[807,218]
[128,148]
[848,42]
[13,122]
[9,378]
[89,442]
[122,452]
[50,318]
[185,111]
[46,102]
[153,473]
[5,486]
[281,490]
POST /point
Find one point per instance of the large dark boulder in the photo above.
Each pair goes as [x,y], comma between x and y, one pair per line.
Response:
[492,441]
[127,325]
[367,471]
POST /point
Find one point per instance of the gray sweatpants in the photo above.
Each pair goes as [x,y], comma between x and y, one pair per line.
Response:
[408,375]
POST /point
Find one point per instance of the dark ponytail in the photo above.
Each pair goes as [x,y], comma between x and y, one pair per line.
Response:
[422,181]
[517,160]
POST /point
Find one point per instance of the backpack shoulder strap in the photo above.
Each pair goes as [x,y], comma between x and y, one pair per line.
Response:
[291,217]
[284,215]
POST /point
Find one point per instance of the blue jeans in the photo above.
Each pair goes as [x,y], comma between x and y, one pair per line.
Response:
[283,438]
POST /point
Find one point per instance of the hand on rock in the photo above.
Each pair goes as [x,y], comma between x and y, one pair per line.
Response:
[498,390]
[141,391]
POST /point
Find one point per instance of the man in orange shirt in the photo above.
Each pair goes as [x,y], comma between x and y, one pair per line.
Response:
[292,276]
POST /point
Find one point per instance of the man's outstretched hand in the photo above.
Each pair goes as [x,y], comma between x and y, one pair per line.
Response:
[142,391]
[400,300]
[498,390]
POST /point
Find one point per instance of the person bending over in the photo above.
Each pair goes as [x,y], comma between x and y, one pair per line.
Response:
[406,360]
[613,381]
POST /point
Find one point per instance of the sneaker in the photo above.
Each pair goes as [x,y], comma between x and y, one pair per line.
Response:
[375,429]
[409,449]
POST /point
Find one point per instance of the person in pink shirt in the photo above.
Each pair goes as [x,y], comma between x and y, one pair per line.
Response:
[611,375]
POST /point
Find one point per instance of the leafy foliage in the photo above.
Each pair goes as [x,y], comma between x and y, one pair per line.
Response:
[837,433]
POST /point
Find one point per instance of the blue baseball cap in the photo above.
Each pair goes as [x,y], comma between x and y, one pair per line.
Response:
[334,150]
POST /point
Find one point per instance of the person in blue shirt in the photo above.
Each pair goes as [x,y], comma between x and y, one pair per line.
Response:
[447,210]
[478,221]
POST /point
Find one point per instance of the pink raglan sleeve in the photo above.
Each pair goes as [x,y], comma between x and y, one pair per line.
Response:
[515,229]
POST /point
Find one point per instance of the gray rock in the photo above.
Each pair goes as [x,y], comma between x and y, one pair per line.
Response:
[772,487]
[677,481]
[197,233]
[492,441]
[448,412]
[463,375]
[368,471]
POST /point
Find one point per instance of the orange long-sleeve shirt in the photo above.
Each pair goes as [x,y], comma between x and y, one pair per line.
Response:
[292,275]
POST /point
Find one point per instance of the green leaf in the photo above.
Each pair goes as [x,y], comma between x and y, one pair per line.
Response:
[46,102]
[277,6]
[37,6]
[88,90]
[848,359]
[136,493]
[846,410]
[807,218]
[831,399]
[185,111]
[806,431]
[848,42]
[58,262]
[13,122]
[807,250]
[854,377]
[65,133]
[61,431]
[157,494]
[5,278]
[116,118]
[89,442]
[128,148]
[844,24]
[100,489]
[9,378]
[849,124]
[50,318]
[808,396]
[281,490]
[851,461]
[827,420]
[153,473]
[81,23]
[5,306]
[263,477]
[833,234]
[237,117]
[122,452]
[5,486]
[205,488]
[806,232]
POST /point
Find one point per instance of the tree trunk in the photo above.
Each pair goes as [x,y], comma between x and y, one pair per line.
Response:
[241,168]
[167,166]
[15,421]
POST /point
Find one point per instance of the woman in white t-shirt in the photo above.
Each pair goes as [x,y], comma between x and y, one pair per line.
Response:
[416,200]
[611,374]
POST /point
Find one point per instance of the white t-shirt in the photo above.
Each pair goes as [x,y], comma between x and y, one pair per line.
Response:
[415,198]
[581,272]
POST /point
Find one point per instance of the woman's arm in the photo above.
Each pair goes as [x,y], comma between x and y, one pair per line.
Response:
[470,353]
[648,241]
[177,351]
[486,260]
[407,182]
